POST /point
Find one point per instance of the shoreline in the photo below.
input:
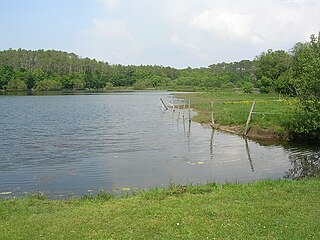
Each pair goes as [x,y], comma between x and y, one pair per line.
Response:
[231,109]
[256,134]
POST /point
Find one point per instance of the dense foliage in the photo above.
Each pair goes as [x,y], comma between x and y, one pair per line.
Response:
[297,73]
[53,70]
[305,74]
[271,70]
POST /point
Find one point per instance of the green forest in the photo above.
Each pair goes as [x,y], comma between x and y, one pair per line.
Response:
[56,70]
[271,71]
[295,73]
[47,70]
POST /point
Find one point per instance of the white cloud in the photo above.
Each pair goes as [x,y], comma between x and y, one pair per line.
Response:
[230,25]
[110,3]
[108,29]
[110,41]
[177,40]
[199,33]
[260,22]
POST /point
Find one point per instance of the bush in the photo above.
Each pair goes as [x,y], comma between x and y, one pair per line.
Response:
[16,85]
[139,85]
[79,84]
[229,85]
[247,87]
[108,86]
[305,124]
[48,85]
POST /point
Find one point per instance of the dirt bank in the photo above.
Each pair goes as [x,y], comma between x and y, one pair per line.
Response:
[255,133]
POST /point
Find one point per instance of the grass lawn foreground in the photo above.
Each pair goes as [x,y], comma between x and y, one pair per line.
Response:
[278,209]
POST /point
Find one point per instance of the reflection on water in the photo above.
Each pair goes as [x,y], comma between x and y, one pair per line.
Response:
[249,155]
[303,164]
[74,144]
[211,145]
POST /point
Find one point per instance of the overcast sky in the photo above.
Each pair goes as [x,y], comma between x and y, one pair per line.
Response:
[177,33]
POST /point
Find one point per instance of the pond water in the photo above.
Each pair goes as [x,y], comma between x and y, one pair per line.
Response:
[78,144]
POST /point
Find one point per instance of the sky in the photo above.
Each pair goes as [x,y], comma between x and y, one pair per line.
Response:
[176,33]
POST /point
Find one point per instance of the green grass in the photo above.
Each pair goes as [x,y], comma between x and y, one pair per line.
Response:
[232,109]
[262,210]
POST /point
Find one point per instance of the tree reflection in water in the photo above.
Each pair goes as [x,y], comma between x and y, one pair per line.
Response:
[304,165]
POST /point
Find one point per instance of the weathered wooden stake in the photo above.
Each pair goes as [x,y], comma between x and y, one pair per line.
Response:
[212,119]
[184,107]
[173,105]
[249,119]
[189,115]
[189,111]
[163,104]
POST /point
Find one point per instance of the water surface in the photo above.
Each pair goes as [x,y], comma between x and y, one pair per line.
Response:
[78,144]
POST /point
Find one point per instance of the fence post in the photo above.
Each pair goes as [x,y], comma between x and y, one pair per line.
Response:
[189,110]
[249,119]
[212,119]
[163,104]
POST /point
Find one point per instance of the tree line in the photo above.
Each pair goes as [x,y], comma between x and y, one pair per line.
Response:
[272,71]
[55,70]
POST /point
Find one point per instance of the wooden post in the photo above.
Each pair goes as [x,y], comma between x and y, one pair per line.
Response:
[184,107]
[189,110]
[212,119]
[173,105]
[189,116]
[249,119]
[183,114]
[163,104]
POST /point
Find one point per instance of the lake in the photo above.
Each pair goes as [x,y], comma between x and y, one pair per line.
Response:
[66,145]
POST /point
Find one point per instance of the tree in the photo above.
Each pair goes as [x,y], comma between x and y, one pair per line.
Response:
[6,74]
[247,87]
[306,78]
[264,84]
[269,68]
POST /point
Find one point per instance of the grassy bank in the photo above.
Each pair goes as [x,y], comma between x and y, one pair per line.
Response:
[231,111]
[262,210]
